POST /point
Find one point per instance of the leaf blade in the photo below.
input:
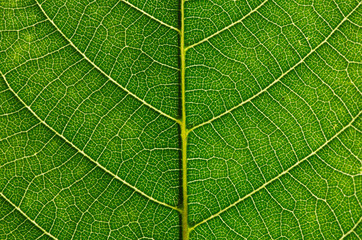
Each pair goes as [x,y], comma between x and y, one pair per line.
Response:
[240,120]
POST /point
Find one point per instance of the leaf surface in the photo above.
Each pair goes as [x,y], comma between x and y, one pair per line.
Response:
[216,119]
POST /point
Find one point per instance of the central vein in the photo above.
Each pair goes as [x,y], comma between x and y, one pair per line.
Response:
[185,227]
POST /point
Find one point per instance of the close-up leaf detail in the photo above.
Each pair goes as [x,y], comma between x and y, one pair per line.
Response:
[180,119]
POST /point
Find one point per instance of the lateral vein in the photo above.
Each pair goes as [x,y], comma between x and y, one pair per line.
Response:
[26,216]
[101,71]
[280,77]
[150,16]
[227,27]
[85,154]
[279,175]
[352,229]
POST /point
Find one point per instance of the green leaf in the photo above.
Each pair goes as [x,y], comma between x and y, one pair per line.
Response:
[210,119]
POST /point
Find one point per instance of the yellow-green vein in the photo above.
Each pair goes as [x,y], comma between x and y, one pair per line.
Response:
[185,226]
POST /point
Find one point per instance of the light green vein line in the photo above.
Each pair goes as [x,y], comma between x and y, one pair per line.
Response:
[227,27]
[26,216]
[150,16]
[352,229]
[279,175]
[184,214]
[280,77]
[101,71]
[86,155]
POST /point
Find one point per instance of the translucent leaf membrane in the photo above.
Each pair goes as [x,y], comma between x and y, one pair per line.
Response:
[67,193]
[92,134]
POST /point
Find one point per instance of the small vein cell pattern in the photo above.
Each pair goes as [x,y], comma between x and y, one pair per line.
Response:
[180,119]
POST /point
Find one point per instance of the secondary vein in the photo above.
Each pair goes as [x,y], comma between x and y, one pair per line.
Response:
[83,153]
[26,216]
[101,71]
[279,175]
[150,16]
[227,27]
[281,76]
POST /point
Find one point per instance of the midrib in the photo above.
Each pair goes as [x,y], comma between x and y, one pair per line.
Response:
[184,213]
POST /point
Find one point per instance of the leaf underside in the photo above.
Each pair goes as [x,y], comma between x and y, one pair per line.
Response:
[95,105]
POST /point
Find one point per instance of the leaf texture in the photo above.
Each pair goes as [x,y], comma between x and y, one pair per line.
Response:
[212,119]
